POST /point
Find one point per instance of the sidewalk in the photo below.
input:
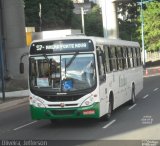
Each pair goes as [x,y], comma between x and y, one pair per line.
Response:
[9,104]
[13,98]
[22,93]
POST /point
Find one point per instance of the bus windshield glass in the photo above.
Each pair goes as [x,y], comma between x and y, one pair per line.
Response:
[58,46]
[63,73]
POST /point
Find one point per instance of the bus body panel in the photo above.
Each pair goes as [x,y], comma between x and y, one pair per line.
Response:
[118,82]
[104,100]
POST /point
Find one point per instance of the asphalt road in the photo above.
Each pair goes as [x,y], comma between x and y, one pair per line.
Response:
[139,122]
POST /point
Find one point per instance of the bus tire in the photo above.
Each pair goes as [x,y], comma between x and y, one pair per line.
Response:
[133,96]
[107,116]
[110,110]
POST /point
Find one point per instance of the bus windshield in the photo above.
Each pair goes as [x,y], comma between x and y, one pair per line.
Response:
[63,73]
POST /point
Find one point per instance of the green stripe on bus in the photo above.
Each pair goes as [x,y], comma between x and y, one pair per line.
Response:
[64,113]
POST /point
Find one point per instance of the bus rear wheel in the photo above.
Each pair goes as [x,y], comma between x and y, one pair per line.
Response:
[133,96]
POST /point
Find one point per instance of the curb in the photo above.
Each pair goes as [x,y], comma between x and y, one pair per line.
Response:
[14,98]
[9,104]
[22,93]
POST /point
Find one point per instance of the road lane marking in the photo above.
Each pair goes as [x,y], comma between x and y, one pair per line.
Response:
[24,125]
[145,96]
[155,89]
[132,107]
[109,124]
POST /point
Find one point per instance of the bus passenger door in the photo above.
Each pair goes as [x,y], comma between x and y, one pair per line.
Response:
[102,82]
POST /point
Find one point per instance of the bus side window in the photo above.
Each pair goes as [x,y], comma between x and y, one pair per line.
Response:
[138,56]
[130,57]
[107,58]
[125,58]
[113,58]
[110,60]
[134,57]
[119,58]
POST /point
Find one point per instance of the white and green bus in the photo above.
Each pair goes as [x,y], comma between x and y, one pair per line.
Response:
[82,77]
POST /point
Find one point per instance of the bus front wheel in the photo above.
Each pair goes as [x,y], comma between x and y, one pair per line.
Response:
[110,110]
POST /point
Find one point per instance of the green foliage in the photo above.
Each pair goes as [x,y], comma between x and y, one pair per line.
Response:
[128,9]
[151,17]
[128,21]
[93,22]
[127,30]
[152,26]
[76,21]
[32,12]
[56,14]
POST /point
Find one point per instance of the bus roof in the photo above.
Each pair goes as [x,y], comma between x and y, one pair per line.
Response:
[97,40]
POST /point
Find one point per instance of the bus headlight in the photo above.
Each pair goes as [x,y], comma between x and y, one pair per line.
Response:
[89,101]
[36,103]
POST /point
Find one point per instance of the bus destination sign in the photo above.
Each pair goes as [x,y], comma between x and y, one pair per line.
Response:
[61,46]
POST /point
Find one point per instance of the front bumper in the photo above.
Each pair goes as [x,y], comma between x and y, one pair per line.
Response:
[64,113]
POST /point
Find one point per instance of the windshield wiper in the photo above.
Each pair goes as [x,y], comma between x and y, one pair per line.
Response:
[66,65]
[71,60]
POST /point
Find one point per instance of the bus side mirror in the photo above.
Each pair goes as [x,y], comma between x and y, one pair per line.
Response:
[21,67]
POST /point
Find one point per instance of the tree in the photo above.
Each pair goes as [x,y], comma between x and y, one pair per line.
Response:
[127,12]
[76,21]
[152,26]
[93,22]
[32,12]
[55,14]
